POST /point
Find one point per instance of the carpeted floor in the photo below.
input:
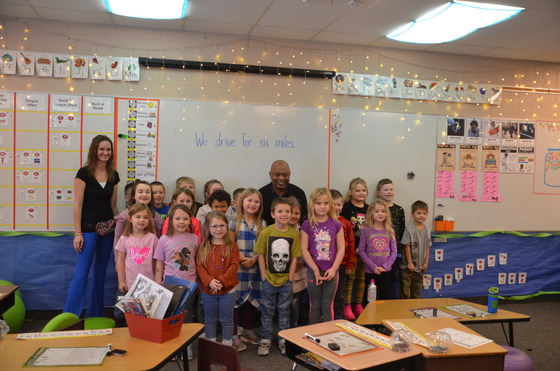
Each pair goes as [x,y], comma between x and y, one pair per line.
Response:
[538,337]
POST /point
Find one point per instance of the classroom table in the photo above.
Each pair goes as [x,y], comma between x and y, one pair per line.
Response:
[7,298]
[377,360]
[141,354]
[487,357]
[374,313]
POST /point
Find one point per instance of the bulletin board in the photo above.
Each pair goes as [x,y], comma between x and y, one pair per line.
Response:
[525,202]
[44,139]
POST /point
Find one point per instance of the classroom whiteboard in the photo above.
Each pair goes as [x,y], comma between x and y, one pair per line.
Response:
[236,144]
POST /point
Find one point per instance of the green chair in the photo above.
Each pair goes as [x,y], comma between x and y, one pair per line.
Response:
[15,316]
[96,323]
[60,321]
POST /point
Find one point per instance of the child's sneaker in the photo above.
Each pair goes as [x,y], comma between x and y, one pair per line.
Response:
[250,336]
[348,313]
[189,353]
[282,346]
[357,309]
[238,344]
[227,342]
[264,347]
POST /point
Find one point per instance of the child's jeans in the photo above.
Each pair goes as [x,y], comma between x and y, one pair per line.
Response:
[275,297]
[218,308]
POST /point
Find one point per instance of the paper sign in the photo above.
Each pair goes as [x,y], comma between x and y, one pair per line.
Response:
[469,269]
[427,281]
[438,255]
[458,274]
[491,260]
[502,279]
[448,279]
[512,278]
[480,264]
[522,277]
[503,258]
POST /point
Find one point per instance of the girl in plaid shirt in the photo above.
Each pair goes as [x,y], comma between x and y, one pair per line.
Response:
[244,230]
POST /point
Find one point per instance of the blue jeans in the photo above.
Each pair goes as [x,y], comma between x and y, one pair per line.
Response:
[218,308]
[272,297]
[100,248]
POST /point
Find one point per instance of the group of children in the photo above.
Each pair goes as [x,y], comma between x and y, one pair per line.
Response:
[244,267]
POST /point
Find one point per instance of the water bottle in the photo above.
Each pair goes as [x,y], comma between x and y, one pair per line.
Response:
[493,299]
[371,292]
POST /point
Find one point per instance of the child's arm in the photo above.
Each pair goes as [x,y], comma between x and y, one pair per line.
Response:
[159,271]
[304,243]
[119,227]
[425,265]
[340,249]
[293,264]
[262,266]
[392,257]
[121,273]
[408,256]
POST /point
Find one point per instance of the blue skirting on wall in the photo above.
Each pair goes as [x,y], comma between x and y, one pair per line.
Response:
[44,266]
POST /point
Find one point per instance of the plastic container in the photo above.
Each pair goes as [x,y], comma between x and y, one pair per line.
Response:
[493,299]
[154,330]
[371,292]
[440,225]
[449,225]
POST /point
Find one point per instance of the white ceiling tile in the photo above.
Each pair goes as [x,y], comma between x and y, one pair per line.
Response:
[66,15]
[510,54]
[283,33]
[77,5]
[345,38]
[217,27]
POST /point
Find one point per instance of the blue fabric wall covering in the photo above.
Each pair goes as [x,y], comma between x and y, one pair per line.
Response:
[539,257]
[43,267]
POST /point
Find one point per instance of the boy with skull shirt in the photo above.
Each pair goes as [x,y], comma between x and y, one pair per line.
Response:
[278,248]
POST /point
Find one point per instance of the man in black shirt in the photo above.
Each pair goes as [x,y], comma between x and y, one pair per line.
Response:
[280,187]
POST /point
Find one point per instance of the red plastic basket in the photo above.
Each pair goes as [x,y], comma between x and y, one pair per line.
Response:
[155,330]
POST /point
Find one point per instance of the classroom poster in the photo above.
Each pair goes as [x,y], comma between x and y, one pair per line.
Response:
[510,132]
[8,65]
[143,124]
[26,63]
[44,64]
[546,178]
[455,130]
[474,131]
[445,157]
[508,159]
[468,158]
[490,156]
[492,131]
[62,65]
[525,160]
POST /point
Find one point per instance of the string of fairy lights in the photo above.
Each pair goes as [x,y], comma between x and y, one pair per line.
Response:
[534,94]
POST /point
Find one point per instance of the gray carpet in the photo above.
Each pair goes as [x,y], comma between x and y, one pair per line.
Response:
[539,337]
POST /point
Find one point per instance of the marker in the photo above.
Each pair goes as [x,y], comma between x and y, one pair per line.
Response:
[109,346]
[312,338]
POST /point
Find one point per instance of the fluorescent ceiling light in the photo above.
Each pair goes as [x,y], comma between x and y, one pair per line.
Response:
[452,21]
[150,9]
